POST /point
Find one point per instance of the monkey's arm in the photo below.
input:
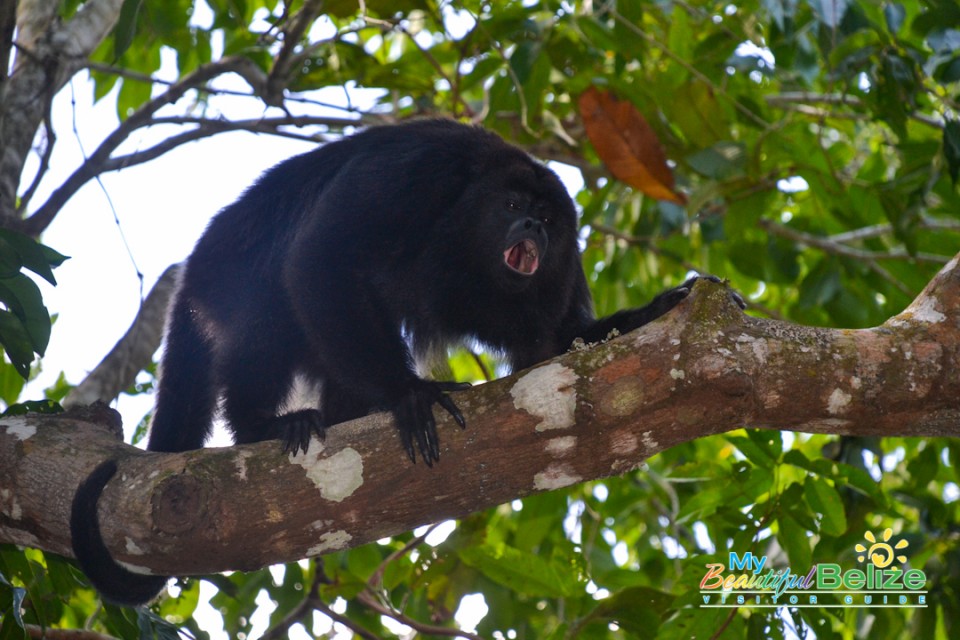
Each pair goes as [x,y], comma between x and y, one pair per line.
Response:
[629,319]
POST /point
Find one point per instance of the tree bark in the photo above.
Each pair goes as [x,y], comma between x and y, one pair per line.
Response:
[703,369]
[133,352]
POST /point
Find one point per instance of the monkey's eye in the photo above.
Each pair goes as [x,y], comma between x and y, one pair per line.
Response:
[546,219]
[513,205]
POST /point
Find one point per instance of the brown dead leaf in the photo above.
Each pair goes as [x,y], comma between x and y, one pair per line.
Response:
[627,144]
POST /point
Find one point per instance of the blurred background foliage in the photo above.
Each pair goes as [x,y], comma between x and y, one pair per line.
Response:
[816,144]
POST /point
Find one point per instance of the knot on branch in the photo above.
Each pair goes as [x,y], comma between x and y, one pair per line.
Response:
[179,504]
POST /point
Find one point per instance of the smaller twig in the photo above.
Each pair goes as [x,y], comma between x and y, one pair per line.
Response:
[831,245]
[791,99]
[36,632]
[44,160]
[646,243]
[370,601]
[284,61]
[377,576]
[869,258]
[877,230]
[345,621]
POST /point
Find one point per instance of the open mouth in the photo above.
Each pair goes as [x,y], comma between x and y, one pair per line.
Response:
[523,257]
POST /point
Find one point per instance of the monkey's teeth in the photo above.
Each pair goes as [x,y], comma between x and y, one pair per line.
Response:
[523,257]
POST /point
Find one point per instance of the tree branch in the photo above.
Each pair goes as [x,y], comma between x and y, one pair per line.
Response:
[293,31]
[48,53]
[133,352]
[142,117]
[794,100]
[869,258]
[703,369]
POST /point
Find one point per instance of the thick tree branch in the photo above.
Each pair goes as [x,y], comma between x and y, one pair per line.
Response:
[703,369]
[133,352]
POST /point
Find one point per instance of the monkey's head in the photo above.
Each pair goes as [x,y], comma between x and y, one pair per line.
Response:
[526,240]
[513,227]
[536,223]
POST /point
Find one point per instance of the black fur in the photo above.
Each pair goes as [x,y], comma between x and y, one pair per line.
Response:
[344,264]
[120,585]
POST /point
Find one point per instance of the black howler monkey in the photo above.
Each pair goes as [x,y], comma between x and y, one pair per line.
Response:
[343,266]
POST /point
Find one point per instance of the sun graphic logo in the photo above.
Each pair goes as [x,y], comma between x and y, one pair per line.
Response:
[880,554]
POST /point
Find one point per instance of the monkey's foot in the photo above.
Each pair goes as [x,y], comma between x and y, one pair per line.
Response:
[296,428]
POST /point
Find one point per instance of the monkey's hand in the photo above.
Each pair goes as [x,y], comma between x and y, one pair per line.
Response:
[415,421]
[671,297]
[629,319]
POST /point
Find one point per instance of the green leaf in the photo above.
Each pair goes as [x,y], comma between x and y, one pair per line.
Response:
[22,297]
[830,12]
[948,71]
[29,253]
[703,119]
[598,34]
[635,609]
[743,486]
[16,342]
[33,406]
[894,13]
[133,94]
[11,383]
[126,27]
[525,573]
[826,502]
[756,454]
[793,538]
[924,466]
[721,161]
[820,286]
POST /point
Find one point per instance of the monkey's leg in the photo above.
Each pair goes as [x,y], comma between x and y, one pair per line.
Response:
[258,379]
[187,392]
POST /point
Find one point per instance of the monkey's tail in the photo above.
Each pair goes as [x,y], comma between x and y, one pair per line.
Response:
[115,583]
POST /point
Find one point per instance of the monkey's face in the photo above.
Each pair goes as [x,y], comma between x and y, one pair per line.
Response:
[515,228]
[526,241]
[537,239]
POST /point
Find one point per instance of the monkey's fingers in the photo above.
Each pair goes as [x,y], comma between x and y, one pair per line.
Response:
[451,407]
[453,386]
[734,294]
[305,432]
[430,442]
[295,429]
[406,438]
[738,299]
[413,418]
